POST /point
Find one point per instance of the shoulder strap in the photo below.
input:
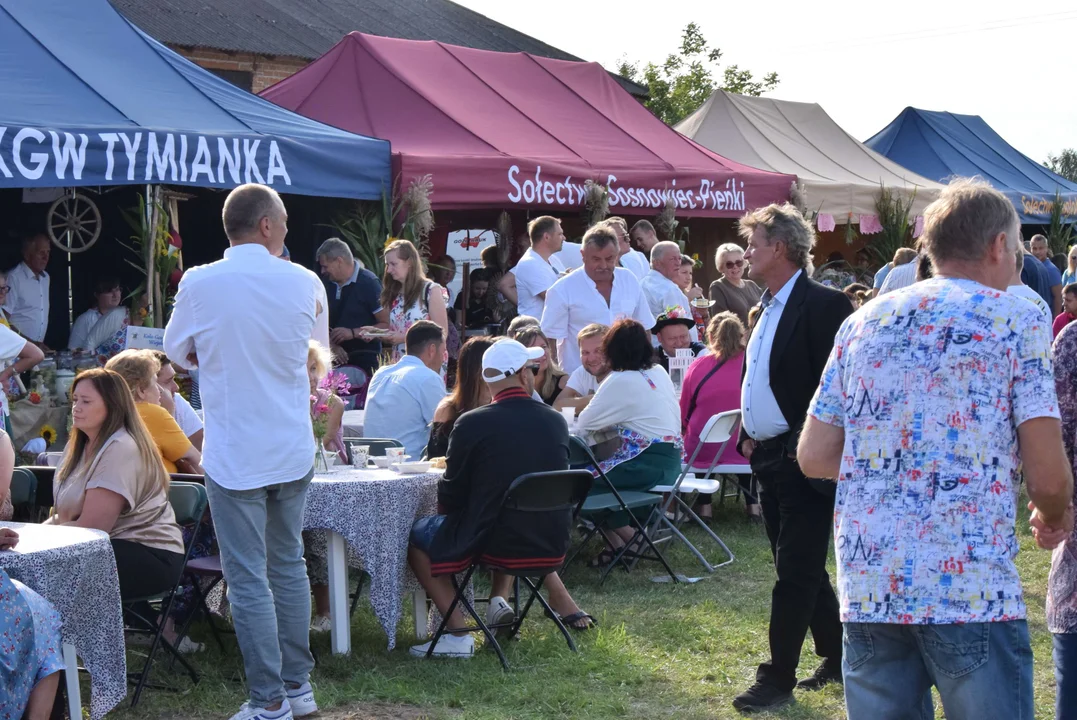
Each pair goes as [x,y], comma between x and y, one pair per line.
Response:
[425,299]
[695,395]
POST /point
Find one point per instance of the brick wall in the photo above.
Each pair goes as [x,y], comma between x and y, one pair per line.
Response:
[264,70]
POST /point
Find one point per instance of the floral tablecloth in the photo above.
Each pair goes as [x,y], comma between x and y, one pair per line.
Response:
[373,510]
[75,570]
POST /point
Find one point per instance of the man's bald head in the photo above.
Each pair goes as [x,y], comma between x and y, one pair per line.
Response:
[255,214]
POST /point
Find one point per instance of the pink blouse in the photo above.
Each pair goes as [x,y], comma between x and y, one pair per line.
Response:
[720,393]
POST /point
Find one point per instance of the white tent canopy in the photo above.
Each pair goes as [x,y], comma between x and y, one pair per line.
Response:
[838,174]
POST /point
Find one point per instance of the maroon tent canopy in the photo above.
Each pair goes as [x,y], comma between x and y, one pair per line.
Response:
[497,130]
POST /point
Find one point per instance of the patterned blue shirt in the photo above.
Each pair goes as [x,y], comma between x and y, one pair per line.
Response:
[930,383]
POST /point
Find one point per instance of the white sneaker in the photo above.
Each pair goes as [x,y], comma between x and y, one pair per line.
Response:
[498,612]
[246,712]
[302,700]
[188,646]
[321,624]
[448,646]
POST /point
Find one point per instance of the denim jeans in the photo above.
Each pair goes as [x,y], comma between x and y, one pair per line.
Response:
[982,670]
[260,536]
[1065,675]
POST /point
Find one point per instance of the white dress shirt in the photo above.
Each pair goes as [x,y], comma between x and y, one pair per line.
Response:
[401,402]
[662,293]
[28,302]
[637,262]
[763,418]
[249,319]
[574,302]
[80,330]
[534,275]
[899,277]
[570,255]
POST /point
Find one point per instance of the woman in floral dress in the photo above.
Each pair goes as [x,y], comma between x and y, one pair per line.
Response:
[410,296]
[30,651]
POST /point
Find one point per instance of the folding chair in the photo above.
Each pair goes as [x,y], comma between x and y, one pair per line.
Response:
[378,446]
[600,507]
[719,429]
[23,491]
[189,503]
[543,501]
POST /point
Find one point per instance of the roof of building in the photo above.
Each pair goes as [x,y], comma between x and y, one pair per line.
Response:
[309,28]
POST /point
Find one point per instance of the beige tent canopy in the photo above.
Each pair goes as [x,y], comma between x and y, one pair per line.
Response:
[838,174]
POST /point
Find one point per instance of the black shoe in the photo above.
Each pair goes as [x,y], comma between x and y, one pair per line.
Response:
[761,697]
[823,676]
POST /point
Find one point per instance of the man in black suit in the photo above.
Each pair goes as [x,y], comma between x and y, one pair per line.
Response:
[784,361]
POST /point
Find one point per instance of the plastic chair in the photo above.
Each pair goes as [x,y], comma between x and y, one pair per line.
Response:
[546,501]
[598,508]
[189,503]
[719,429]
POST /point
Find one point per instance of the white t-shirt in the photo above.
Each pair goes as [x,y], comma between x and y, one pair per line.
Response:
[186,417]
[570,255]
[637,262]
[583,382]
[534,276]
[11,344]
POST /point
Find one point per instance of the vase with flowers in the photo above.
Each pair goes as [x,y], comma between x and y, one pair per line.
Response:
[325,410]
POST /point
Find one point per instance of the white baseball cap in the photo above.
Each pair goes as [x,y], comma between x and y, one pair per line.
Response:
[505,358]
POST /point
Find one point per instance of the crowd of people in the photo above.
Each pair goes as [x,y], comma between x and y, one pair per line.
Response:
[900,420]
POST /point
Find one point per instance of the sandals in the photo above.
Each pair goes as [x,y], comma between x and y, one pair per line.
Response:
[570,621]
[601,560]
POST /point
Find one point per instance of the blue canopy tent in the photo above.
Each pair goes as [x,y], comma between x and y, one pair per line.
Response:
[941,145]
[87,99]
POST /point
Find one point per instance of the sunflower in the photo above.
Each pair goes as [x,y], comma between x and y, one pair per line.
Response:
[48,432]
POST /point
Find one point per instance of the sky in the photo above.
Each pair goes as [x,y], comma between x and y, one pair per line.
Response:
[864,62]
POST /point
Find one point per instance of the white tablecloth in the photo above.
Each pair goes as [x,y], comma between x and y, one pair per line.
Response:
[75,570]
[373,510]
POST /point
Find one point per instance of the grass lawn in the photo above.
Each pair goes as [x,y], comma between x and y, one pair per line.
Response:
[660,651]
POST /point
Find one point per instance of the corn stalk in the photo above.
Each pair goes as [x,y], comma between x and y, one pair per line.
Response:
[157,258]
[894,216]
[1060,234]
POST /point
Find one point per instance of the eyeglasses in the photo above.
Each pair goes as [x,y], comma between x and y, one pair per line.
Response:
[730,264]
[4,288]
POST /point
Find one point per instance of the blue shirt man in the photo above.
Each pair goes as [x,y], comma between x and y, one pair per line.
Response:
[1034,274]
[1041,250]
[402,398]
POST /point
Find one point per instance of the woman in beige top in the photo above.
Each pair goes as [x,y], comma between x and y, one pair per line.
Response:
[733,292]
[111,478]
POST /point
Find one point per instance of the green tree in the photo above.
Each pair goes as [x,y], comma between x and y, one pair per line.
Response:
[686,78]
[1065,164]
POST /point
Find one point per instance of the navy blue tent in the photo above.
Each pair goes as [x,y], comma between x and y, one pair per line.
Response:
[941,145]
[86,98]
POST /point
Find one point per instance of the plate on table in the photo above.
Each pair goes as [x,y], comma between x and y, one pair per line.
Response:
[412,468]
[376,333]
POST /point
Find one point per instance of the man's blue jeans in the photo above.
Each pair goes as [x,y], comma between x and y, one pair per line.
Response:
[260,535]
[982,670]
[1065,675]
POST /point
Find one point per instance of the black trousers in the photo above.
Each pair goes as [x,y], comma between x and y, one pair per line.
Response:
[144,572]
[800,523]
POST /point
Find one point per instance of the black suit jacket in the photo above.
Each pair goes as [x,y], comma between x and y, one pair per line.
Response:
[802,344]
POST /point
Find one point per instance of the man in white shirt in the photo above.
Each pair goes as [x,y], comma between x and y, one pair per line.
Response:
[28,299]
[570,255]
[1017,287]
[321,325]
[527,283]
[402,397]
[632,260]
[901,276]
[659,284]
[594,367]
[644,236]
[599,293]
[259,442]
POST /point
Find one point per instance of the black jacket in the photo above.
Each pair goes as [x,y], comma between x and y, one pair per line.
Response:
[489,448]
[802,345]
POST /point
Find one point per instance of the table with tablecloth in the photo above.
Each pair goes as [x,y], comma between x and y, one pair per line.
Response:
[75,570]
[369,512]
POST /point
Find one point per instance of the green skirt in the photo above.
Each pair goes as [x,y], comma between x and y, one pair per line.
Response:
[659,464]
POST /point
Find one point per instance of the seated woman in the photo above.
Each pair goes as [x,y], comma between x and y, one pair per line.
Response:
[107,295]
[108,336]
[319,362]
[30,654]
[471,391]
[550,379]
[638,400]
[139,369]
[111,478]
[712,386]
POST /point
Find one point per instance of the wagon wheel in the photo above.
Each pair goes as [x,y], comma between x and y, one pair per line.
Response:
[74,223]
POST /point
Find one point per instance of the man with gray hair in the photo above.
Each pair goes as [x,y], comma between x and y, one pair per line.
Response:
[246,322]
[660,287]
[599,293]
[786,353]
[354,295]
[1041,249]
[935,398]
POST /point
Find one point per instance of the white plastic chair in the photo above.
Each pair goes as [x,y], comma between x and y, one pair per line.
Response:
[719,429]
